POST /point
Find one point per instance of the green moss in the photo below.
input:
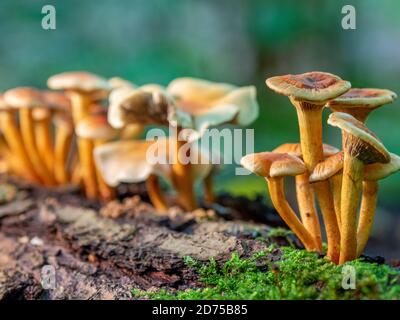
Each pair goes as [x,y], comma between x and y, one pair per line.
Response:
[296,275]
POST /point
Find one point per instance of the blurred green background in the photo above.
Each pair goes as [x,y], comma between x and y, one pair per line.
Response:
[237,41]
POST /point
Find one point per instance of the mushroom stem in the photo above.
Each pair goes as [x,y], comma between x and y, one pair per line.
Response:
[367,214]
[324,196]
[155,193]
[351,192]
[62,147]
[44,142]
[182,176]
[308,212]
[278,198]
[14,139]
[28,137]
[80,105]
[88,171]
[336,185]
[209,196]
[106,192]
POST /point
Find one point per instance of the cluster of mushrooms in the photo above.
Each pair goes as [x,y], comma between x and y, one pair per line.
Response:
[345,182]
[86,131]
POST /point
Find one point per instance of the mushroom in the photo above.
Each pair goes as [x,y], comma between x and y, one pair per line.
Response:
[96,129]
[132,162]
[305,196]
[361,147]
[14,140]
[274,167]
[81,88]
[26,100]
[372,173]
[309,92]
[360,102]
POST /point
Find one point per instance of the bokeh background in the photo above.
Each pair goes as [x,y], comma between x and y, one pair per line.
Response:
[237,41]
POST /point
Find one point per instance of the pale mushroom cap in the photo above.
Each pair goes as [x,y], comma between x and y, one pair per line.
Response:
[366,98]
[327,168]
[211,103]
[368,148]
[132,161]
[3,105]
[117,82]
[95,127]
[378,171]
[273,164]
[312,86]
[39,114]
[295,149]
[24,97]
[79,81]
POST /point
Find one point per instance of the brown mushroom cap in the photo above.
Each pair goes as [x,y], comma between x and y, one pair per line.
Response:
[273,164]
[312,86]
[359,141]
[295,149]
[378,171]
[367,98]
[56,100]
[95,127]
[24,97]
[327,168]
[78,80]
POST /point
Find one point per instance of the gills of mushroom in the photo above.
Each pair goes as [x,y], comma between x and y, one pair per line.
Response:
[26,100]
[14,140]
[361,147]
[309,92]
[82,88]
[141,160]
[96,129]
[372,173]
[274,167]
[304,193]
[201,104]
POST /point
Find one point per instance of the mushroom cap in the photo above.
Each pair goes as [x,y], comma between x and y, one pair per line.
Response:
[366,98]
[130,161]
[359,141]
[24,97]
[56,100]
[3,105]
[117,82]
[327,168]
[378,171]
[95,127]
[312,86]
[79,81]
[211,103]
[64,120]
[295,149]
[273,164]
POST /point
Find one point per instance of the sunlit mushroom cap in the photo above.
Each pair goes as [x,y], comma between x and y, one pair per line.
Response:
[211,104]
[367,97]
[327,168]
[295,149]
[24,97]
[378,171]
[312,86]
[95,127]
[359,140]
[133,161]
[78,80]
[273,164]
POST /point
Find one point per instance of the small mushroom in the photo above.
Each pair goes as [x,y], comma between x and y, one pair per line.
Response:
[274,167]
[304,193]
[14,140]
[360,102]
[361,147]
[82,88]
[309,92]
[372,173]
[26,100]
[132,162]
[96,129]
